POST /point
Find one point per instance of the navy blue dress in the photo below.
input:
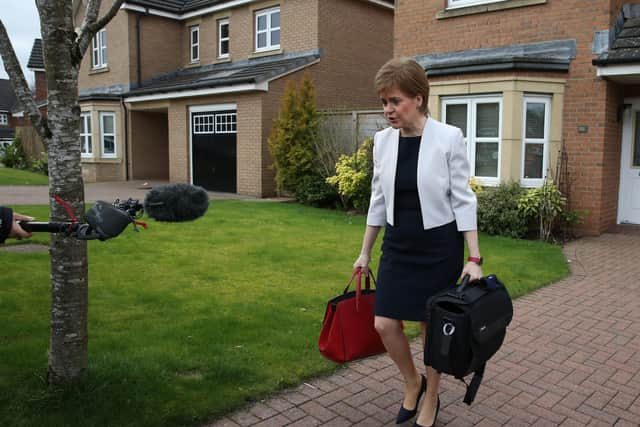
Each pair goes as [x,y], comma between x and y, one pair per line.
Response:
[415,263]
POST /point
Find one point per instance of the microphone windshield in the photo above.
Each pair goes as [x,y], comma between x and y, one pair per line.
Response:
[176,202]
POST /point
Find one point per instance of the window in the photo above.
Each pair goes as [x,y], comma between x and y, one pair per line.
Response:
[4,119]
[635,149]
[462,3]
[108,134]
[226,123]
[268,29]
[195,43]
[99,51]
[535,140]
[223,38]
[215,123]
[85,135]
[480,119]
[203,123]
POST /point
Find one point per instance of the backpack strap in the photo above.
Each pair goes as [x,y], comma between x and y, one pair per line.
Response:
[474,385]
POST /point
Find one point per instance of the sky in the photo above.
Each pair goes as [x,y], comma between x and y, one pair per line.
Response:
[20,18]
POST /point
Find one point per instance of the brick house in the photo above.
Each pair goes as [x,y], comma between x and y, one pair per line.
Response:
[187,91]
[8,103]
[522,77]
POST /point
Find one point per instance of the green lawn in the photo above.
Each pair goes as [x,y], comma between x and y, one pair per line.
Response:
[189,321]
[10,176]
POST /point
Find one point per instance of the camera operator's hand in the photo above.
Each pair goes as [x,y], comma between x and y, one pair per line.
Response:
[17,231]
[9,226]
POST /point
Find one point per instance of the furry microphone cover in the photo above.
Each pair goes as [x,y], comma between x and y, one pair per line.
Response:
[176,202]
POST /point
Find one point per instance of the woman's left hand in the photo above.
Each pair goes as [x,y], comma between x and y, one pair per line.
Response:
[473,270]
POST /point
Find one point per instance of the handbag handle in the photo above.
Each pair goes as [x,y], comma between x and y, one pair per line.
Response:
[356,273]
[464,283]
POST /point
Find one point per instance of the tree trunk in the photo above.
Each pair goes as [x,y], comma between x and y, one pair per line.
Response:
[68,344]
[60,132]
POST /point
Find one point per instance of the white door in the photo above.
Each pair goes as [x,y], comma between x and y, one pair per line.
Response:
[629,197]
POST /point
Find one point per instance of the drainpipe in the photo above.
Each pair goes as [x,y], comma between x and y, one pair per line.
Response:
[126,139]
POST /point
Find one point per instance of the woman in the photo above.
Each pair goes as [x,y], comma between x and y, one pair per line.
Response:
[420,193]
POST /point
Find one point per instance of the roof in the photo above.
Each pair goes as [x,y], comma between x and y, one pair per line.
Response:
[624,38]
[8,100]
[36,59]
[553,55]
[183,6]
[7,133]
[234,73]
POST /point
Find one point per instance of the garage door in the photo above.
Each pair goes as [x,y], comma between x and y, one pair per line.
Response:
[213,136]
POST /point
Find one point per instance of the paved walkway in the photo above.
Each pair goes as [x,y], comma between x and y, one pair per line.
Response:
[107,191]
[571,358]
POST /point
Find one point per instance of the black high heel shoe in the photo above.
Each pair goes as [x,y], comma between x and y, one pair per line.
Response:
[434,418]
[405,414]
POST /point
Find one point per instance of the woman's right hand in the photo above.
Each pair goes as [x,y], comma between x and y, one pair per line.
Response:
[363,263]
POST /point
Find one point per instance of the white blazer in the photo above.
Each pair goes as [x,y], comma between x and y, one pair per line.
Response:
[443,178]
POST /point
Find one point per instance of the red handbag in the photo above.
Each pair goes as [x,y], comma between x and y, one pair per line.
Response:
[348,331]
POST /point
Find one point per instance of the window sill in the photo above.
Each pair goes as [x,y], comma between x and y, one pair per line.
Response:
[485,8]
[99,70]
[222,59]
[261,53]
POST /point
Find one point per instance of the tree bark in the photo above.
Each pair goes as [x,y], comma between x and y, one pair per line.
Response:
[60,130]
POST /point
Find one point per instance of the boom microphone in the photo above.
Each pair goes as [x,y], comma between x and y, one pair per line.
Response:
[176,202]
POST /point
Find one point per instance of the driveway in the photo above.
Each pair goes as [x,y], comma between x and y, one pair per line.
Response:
[107,191]
[571,358]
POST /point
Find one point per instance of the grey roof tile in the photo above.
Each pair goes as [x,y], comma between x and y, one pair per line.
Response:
[8,99]
[182,6]
[550,55]
[247,71]
[36,59]
[625,41]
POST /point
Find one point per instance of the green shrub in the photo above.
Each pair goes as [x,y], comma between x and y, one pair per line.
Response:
[292,140]
[498,212]
[314,190]
[353,177]
[547,207]
[14,156]
[40,165]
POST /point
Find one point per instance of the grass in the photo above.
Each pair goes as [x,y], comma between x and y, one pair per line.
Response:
[10,176]
[189,321]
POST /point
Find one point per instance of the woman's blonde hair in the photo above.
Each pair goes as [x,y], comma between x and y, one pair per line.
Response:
[408,76]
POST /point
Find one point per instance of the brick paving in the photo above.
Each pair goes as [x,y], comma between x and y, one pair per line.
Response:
[571,358]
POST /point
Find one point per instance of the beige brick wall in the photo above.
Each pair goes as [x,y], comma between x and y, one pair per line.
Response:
[160,40]
[299,30]
[149,145]
[119,50]
[353,51]
[249,140]
[594,158]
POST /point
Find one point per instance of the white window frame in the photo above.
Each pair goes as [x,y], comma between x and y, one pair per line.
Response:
[226,123]
[204,124]
[113,155]
[194,30]
[99,49]
[454,4]
[221,39]
[86,139]
[536,182]
[471,102]
[4,119]
[268,30]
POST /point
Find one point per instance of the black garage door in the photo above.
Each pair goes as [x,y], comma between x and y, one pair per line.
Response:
[214,150]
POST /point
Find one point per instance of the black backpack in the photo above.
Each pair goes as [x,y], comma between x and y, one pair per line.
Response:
[466,325]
